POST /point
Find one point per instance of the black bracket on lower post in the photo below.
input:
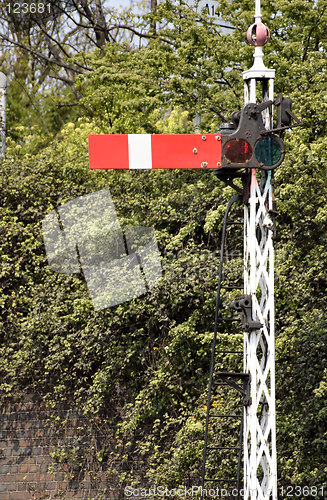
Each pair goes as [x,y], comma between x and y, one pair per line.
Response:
[230,378]
[243,305]
[228,176]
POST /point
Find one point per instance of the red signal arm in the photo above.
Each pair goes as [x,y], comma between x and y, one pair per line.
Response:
[143,151]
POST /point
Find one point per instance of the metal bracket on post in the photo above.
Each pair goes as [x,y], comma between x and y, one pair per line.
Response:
[228,176]
[243,305]
[229,379]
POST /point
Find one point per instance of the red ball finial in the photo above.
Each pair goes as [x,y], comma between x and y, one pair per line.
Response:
[258,34]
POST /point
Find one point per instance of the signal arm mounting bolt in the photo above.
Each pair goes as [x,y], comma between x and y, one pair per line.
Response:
[195,151]
[204,164]
[204,138]
[218,137]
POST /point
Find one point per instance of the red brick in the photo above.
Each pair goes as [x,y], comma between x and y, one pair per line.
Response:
[28,461]
[44,466]
[43,460]
[24,468]
[25,443]
[24,486]
[46,450]
[59,476]
[30,467]
[7,478]
[74,494]
[62,485]
[12,487]
[51,485]
[20,495]
[41,495]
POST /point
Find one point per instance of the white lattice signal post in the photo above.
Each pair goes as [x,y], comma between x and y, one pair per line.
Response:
[260,462]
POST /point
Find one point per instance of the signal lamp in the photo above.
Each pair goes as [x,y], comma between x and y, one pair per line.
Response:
[269,151]
[237,151]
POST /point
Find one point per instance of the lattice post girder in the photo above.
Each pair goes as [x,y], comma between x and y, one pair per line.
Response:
[260,474]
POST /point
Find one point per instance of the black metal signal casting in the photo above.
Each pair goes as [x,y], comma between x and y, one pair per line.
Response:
[284,115]
[243,306]
[251,145]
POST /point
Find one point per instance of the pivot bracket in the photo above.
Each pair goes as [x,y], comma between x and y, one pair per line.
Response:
[243,306]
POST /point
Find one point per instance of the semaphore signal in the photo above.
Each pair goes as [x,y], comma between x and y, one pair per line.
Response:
[241,148]
[250,145]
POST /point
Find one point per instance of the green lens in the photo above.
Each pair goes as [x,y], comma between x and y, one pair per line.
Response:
[268,151]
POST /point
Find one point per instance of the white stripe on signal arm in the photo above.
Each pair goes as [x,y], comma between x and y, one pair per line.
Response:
[139,151]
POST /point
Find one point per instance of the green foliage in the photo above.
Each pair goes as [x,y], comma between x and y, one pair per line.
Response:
[126,82]
[142,366]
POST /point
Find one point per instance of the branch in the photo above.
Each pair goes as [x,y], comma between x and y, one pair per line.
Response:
[310,33]
[50,37]
[141,35]
[52,49]
[87,13]
[86,26]
[96,26]
[93,41]
[80,25]
[41,56]
[66,104]
[63,79]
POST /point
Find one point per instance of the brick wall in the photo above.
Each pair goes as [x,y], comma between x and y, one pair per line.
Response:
[47,454]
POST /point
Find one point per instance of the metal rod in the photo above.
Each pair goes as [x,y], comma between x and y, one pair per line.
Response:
[239,464]
[257,15]
[3,95]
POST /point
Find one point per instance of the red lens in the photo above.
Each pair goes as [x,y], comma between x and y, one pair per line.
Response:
[238,151]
